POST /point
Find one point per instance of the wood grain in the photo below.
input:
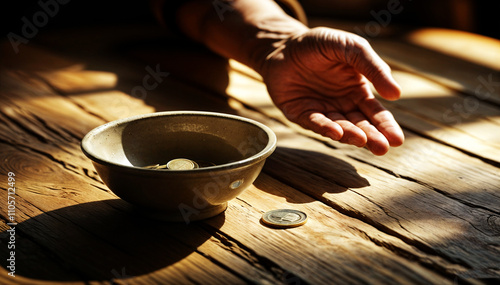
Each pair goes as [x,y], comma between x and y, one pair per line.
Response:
[427,213]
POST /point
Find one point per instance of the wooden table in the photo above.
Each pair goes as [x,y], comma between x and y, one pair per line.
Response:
[428,212]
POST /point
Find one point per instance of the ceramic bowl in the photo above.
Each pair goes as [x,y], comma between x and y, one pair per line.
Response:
[229,151]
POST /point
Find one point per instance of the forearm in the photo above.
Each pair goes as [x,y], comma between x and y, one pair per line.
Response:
[245,30]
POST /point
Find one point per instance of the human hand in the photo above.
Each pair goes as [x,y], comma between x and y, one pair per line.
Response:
[319,80]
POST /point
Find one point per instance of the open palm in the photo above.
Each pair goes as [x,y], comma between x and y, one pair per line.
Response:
[319,80]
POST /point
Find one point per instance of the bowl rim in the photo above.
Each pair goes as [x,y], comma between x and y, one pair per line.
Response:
[261,155]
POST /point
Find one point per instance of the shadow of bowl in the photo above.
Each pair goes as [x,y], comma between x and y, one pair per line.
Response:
[102,240]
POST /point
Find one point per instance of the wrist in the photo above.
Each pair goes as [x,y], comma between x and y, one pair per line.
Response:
[248,30]
[269,40]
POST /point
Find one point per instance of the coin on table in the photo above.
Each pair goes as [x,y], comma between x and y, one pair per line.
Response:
[181,164]
[284,218]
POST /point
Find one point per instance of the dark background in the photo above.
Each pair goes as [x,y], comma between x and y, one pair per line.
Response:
[478,16]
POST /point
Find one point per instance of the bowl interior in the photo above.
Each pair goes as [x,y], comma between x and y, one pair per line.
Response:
[206,138]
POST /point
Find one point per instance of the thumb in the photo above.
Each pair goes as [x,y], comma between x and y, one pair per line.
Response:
[366,61]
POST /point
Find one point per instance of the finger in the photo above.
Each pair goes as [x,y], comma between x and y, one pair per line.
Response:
[352,134]
[319,123]
[383,120]
[309,115]
[366,61]
[376,142]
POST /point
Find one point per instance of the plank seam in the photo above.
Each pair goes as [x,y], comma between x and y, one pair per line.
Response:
[464,151]
[54,257]
[222,265]
[380,227]
[427,263]
[263,262]
[442,192]
[60,93]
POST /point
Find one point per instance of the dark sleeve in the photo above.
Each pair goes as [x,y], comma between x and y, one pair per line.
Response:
[165,11]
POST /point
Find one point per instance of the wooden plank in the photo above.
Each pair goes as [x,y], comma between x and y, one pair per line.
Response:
[474,173]
[437,112]
[284,274]
[467,46]
[62,220]
[331,233]
[27,255]
[233,234]
[41,126]
[83,213]
[233,263]
[308,159]
[98,243]
[108,223]
[331,246]
[428,218]
[98,223]
[398,216]
[425,161]
[255,97]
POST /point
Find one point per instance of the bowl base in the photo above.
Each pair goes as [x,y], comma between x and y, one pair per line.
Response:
[186,215]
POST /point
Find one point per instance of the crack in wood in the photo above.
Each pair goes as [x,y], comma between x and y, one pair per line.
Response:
[96,115]
[42,250]
[386,212]
[100,188]
[386,230]
[37,136]
[57,258]
[222,265]
[254,259]
[427,263]
[442,192]
[464,151]
[244,202]
[59,133]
